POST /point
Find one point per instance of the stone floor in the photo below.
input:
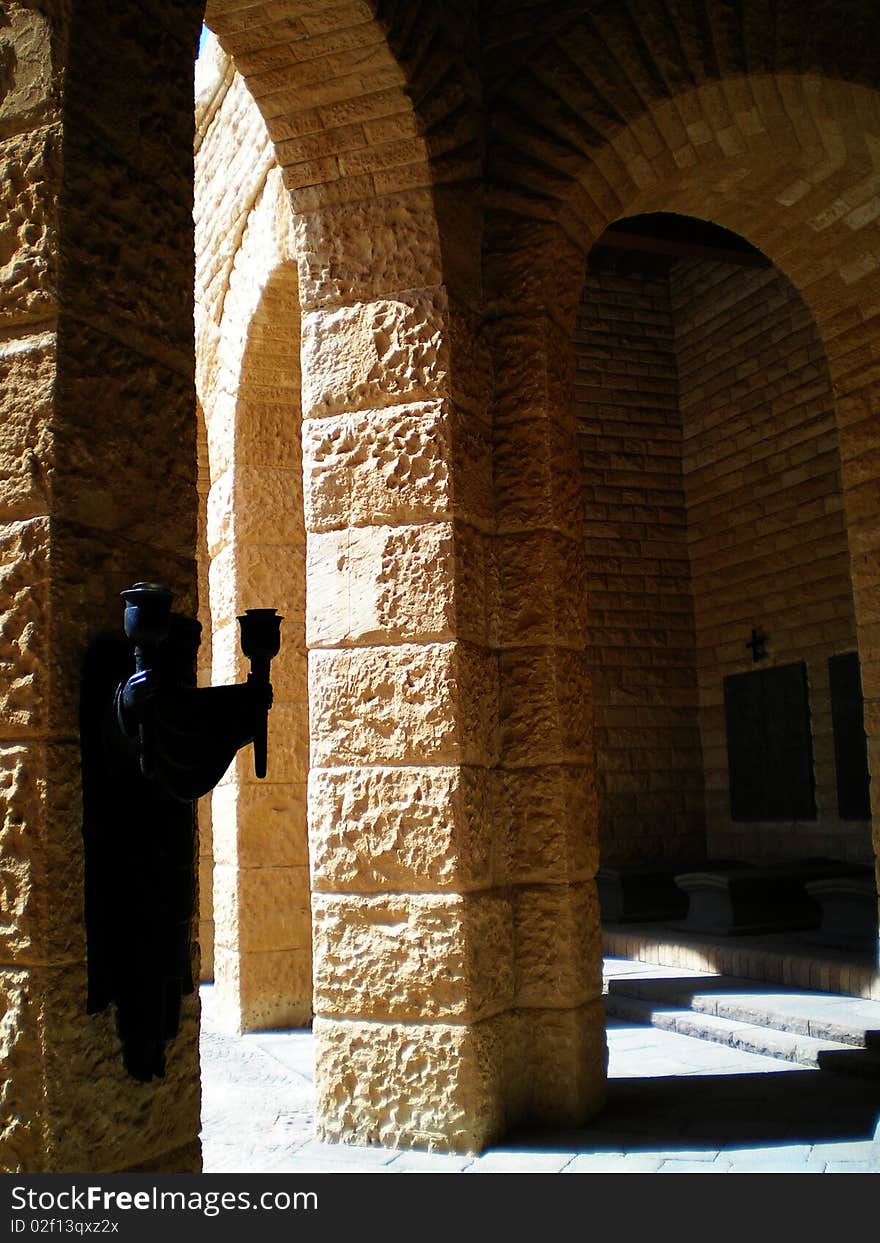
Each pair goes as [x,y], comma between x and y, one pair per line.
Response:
[676,1105]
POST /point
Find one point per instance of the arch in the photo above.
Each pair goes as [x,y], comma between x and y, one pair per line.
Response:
[788,162]
[713,505]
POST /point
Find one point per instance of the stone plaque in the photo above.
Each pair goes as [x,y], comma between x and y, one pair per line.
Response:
[769,747]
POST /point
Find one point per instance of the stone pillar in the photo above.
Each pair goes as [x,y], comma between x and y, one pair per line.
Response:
[546,763]
[263,968]
[413,951]
[97,490]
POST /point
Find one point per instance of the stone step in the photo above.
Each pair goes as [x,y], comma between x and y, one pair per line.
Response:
[805,1050]
[797,1012]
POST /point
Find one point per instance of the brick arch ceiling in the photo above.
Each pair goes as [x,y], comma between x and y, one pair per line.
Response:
[362,97]
[563,84]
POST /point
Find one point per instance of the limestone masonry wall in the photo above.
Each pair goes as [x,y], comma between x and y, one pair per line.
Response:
[766,527]
[639,607]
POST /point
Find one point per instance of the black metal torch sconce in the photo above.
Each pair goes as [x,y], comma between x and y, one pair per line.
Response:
[153,742]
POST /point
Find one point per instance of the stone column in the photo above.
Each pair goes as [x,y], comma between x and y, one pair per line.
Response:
[546,764]
[97,490]
[257,541]
[413,952]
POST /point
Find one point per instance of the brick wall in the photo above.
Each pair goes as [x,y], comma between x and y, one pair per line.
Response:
[766,529]
[640,615]
[713,504]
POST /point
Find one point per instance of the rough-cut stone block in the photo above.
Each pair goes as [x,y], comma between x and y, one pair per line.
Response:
[546,709]
[375,354]
[402,829]
[261,908]
[24,626]
[534,369]
[430,1085]
[93,1115]
[471,372]
[368,250]
[41,916]
[400,465]
[477,593]
[30,176]
[120,417]
[263,990]
[27,372]
[128,254]
[558,944]
[381,584]
[543,598]
[256,505]
[26,56]
[257,576]
[549,819]
[260,825]
[434,703]
[267,430]
[404,956]
[566,1064]
[533,263]
[538,478]
[22,1108]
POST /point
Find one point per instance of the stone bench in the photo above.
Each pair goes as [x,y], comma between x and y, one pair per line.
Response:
[848,906]
[757,899]
[642,892]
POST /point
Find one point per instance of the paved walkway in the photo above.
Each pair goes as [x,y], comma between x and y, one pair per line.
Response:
[676,1105]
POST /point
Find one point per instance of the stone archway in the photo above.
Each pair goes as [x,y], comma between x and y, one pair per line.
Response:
[248,377]
[784,161]
[714,505]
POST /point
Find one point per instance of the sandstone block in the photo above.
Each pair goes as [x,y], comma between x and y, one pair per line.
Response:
[260,825]
[381,584]
[538,261]
[30,176]
[558,944]
[434,703]
[431,1085]
[257,576]
[549,819]
[367,250]
[534,368]
[543,598]
[261,908]
[26,55]
[23,1127]
[24,626]
[267,429]
[402,829]
[546,708]
[41,854]
[256,505]
[566,1060]
[74,1062]
[538,478]
[27,372]
[263,990]
[374,354]
[120,417]
[417,957]
[402,465]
